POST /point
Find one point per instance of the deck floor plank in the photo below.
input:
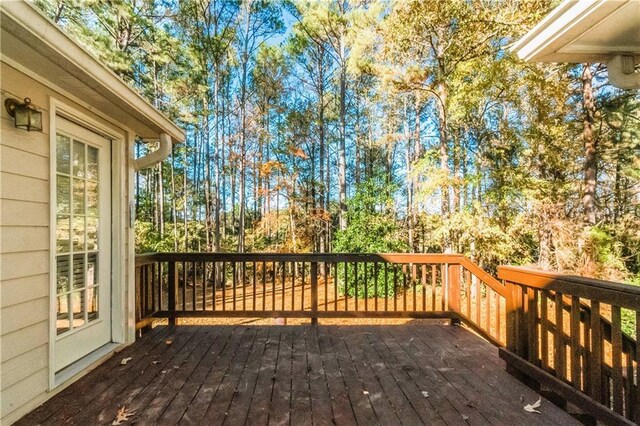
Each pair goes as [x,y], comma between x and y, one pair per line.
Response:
[196,410]
[246,387]
[410,374]
[184,396]
[300,388]
[258,412]
[280,412]
[360,402]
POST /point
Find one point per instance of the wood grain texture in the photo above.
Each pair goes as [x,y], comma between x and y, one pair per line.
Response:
[410,374]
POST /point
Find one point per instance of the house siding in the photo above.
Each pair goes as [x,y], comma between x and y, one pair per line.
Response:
[25,248]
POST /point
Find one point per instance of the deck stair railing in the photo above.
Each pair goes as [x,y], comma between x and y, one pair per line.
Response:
[584,357]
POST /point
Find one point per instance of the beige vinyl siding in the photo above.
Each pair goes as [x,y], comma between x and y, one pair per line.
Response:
[24,395]
[24,252]
[22,341]
[25,247]
[12,291]
[24,365]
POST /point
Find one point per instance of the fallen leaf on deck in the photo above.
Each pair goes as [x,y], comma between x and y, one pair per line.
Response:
[168,342]
[125,360]
[122,416]
[531,408]
[425,394]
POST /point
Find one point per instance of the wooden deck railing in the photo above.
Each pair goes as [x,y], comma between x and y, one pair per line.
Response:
[566,333]
[560,332]
[175,285]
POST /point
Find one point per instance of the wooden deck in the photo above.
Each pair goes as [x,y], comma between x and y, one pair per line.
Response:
[403,374]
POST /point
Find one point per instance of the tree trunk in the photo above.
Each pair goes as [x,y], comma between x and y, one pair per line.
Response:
[342,155]
[590,146]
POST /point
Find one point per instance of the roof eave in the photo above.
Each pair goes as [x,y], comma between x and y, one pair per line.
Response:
[95,74]
[544,41]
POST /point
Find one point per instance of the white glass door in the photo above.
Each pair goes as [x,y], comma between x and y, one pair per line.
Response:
[83,247]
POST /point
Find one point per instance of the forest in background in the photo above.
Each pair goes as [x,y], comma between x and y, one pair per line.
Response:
[373,126]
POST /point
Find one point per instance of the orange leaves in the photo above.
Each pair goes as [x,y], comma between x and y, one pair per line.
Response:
[269,167]
[298,152]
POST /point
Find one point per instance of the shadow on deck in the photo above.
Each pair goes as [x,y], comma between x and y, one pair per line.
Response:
[406,374]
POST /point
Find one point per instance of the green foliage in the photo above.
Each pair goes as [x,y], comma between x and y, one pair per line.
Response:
[372,228]
[434,105]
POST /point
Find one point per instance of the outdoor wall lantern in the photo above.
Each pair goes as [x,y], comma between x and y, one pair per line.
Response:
[24,115]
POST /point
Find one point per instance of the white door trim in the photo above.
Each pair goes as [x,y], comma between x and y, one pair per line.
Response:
[118,217]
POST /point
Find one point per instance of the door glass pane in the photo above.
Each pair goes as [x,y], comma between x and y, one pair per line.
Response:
[77,303]
[78,196]
[78,159]
[92,269]
[78,233]
[63,273]
[92,303]
[78,271]
[92,198]
[92,233]
[77,224]
[92,163]
[62,314]
[63,195]
[62,234]
[63,154]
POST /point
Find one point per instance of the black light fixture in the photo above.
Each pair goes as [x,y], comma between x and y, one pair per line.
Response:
[24,115]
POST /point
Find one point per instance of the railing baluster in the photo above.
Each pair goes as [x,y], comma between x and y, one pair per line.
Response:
[171,297]
[314,292]
[558,343]
[346,287]
[487,308]
[355,287]
[326,269]
[404,288]
[423,269]
[375,285]
[224,286]
[284,283]
[467,293]
[303,284]
[544,329]
[433,288]
[193,295]
[253,265]
[273,287]
[335,286]
[395,289]
[386,286]
[264,285]
[574,325]
[532,321]
[616,357]
[366,289]
[243,285]
[413,284]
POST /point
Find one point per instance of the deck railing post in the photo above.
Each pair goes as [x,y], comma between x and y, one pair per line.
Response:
[512,317]
[314,293]
[171,297]
[453,290]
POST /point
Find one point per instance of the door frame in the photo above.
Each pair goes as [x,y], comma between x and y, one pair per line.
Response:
[119,285]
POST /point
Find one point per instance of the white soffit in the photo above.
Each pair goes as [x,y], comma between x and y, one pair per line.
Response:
[584,31]
[33,41]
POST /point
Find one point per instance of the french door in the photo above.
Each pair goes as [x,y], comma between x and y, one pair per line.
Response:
[82,242]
